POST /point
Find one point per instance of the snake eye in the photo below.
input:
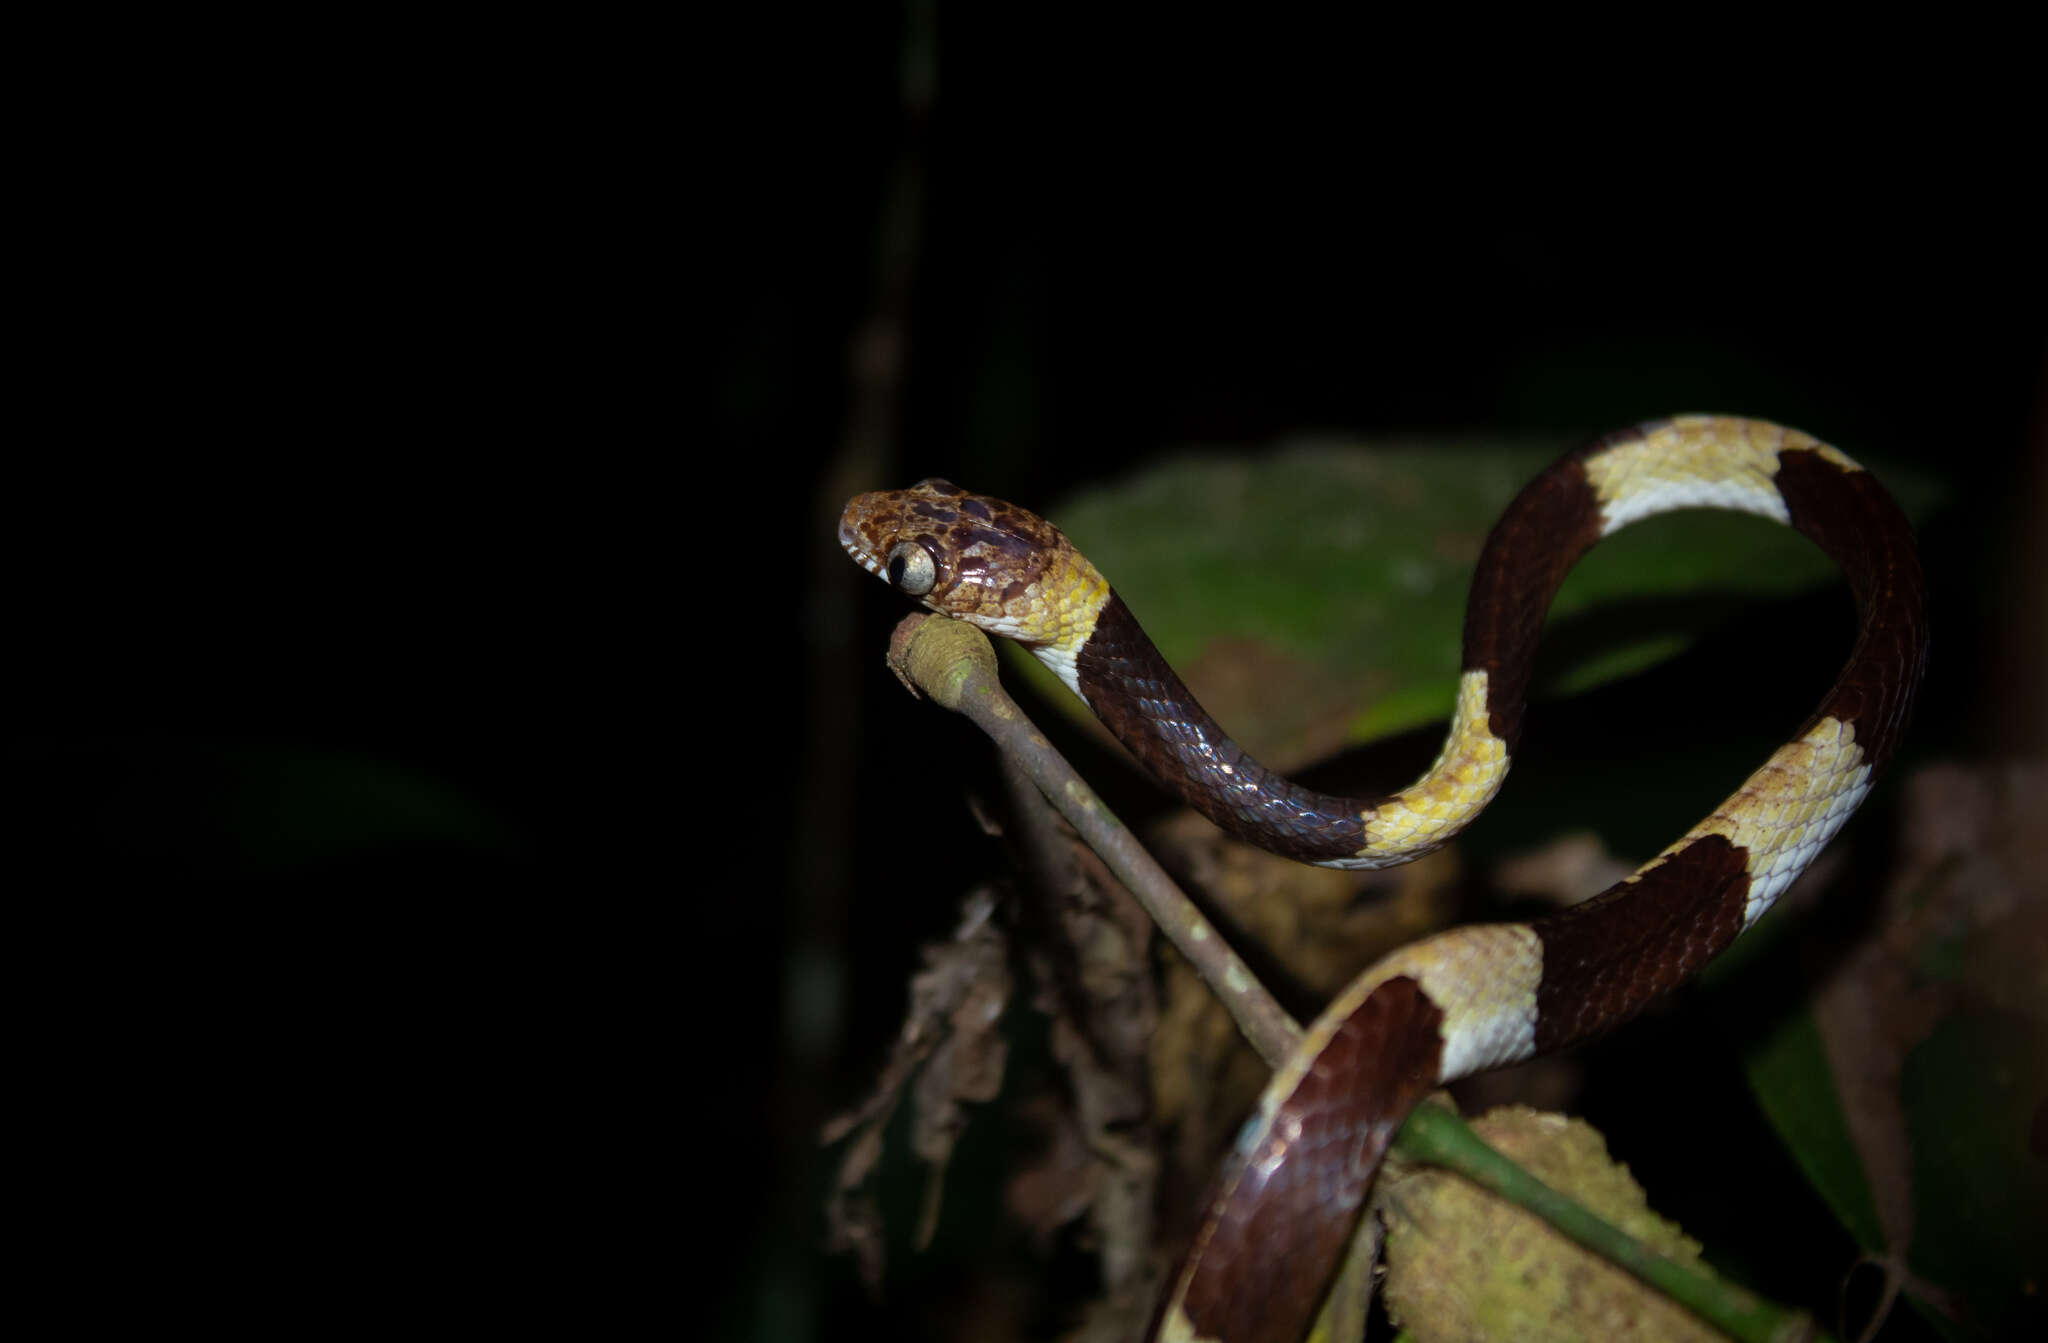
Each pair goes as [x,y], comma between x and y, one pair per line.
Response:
[912,569]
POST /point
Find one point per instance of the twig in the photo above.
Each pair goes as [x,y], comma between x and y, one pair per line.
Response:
[953,663]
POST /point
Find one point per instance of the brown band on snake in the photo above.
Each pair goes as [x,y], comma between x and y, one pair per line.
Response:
[1284,1214]
[1548,526]
[1604,959]
[1147,708]
[1849,515]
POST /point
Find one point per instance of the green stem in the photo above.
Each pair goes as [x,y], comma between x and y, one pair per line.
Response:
[1440,1138]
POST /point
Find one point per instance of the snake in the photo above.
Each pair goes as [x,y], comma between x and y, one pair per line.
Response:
[1472,998]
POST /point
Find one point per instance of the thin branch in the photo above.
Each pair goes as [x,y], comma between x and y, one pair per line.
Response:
[953,663]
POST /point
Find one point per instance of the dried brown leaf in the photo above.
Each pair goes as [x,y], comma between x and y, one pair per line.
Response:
[1061,1182]
[1973,873]
[1571,868]
[1090,960]
[950,1046]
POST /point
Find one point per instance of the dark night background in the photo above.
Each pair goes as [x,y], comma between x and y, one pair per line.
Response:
[434,649]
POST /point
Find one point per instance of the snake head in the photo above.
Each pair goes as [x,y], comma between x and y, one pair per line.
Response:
[967,555]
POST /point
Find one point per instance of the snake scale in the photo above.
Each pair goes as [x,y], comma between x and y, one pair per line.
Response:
[1472,998]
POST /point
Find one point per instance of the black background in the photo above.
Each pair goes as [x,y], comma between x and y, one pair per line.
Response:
[479,419]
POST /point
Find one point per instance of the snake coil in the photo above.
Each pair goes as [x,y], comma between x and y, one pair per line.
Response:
[1471,998]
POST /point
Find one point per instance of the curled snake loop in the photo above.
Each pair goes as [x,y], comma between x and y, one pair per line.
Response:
[1471,998]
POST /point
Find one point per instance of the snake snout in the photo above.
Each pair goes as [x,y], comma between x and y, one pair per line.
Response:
[850,540]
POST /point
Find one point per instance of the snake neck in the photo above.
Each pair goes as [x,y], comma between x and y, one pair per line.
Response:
[1127,683]
[1145,705]
[1125,680]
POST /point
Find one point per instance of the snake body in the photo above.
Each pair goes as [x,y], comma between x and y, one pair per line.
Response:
[1471,998]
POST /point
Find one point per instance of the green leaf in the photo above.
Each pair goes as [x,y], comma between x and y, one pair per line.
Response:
[1313,597]
[1973,1091]
[1789,1072]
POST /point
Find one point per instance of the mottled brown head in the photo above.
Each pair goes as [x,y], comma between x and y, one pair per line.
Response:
[961,554]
